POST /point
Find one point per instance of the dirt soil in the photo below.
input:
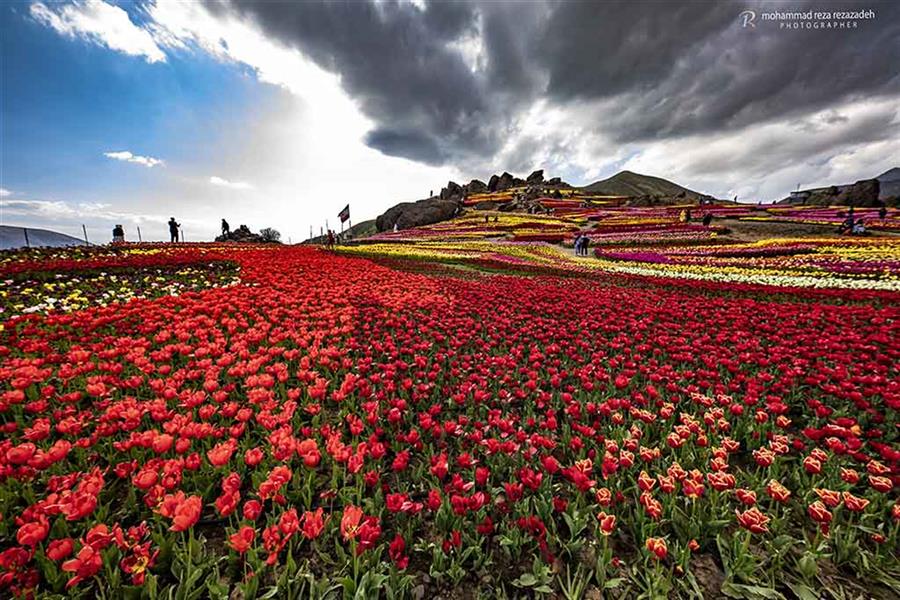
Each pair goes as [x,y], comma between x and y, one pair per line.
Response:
[751,231]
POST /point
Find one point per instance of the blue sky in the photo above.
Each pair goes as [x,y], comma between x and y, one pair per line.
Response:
[67,101]
[279,114]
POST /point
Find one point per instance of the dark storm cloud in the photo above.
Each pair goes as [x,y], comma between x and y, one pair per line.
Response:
[662,69]
[395,60]
[601,49]
[732,77]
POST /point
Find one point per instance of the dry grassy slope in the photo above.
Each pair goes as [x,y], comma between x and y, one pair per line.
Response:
[627,183]
[360,230]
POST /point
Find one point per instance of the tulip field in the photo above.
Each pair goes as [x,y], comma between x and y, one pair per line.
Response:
[440,413]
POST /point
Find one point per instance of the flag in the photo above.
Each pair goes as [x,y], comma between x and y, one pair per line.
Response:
[344,214]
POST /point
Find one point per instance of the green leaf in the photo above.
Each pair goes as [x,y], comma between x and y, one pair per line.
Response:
[808,566]
[613,583]
[526,580]
[752,592]
[273,591]
[802,591]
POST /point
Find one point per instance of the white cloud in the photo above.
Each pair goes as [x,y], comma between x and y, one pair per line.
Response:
[100,23]
[314,159]
[767,161]
[235,185]
[126,156]
[99,217]
[471,46]
[58,209]
[846,142]
[5,192]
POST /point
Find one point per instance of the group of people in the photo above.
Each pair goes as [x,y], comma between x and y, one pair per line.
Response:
[685,217]
[855,226]
[118,232]
[581,244]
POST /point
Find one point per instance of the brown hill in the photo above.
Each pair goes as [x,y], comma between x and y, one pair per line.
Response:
[626,183]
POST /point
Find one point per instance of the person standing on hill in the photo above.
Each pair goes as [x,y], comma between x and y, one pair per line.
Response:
[173,229]
[707,219]
[882,213]
[118,234]
[226,228]
[330,241]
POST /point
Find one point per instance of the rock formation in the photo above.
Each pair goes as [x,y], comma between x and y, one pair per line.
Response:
[536,177]
[243,235]
[450,200]
[476,186]
[416,214]
[453,190]
[863,193]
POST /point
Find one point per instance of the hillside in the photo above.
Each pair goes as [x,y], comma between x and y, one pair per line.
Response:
[360,230]
[627,183]
[889,184]
[14,237]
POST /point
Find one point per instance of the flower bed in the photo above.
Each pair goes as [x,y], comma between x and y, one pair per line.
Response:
[335,424]
[42,291]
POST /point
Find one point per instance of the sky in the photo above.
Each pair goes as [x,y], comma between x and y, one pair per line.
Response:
[278,114]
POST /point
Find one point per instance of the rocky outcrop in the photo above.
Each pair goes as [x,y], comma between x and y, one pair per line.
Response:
[498,183]
[863,193]
[243,235]
[450,200]
[889,186]
[416,214]
[476,186]
[453,190]
[507,180]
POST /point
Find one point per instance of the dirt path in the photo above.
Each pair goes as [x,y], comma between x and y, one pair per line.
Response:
[751,231]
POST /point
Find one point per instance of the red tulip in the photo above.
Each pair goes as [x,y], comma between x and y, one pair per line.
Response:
[855,503]
[59,549]
[186,513]
[747,497]
[397,552]
[657,547]
[33,533]
[753,520]
[350,521]
[313,524]
[242,540]
[777,492]
[85,565]
[607,523]
[818,512]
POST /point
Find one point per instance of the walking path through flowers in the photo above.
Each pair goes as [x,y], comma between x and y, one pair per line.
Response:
[334,426]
